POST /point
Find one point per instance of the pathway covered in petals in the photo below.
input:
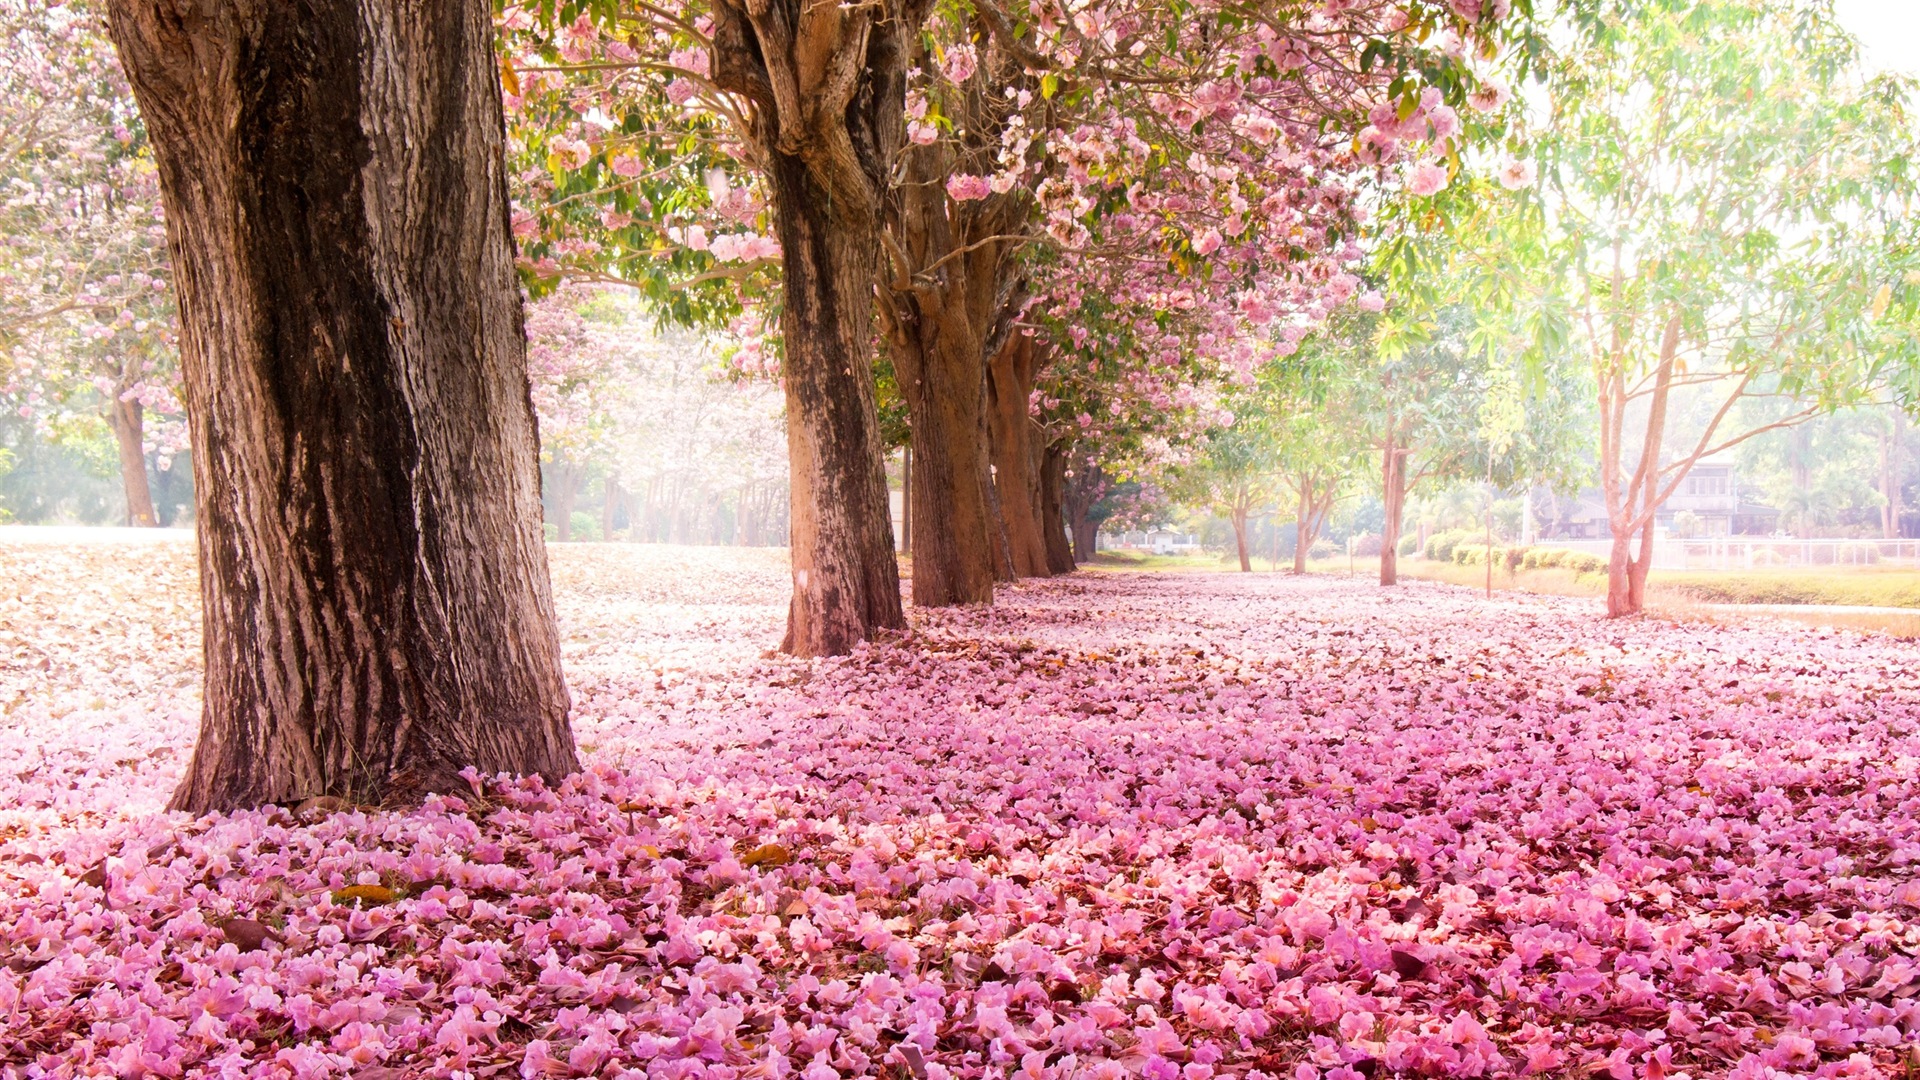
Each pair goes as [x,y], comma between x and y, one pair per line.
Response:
[1176,827]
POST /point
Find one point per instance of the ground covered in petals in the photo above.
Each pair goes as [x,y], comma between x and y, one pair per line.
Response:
[1174,827]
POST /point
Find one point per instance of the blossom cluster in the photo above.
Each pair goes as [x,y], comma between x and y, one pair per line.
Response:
[1176,827]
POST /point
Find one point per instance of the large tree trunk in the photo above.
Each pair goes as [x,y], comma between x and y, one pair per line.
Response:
[1053,524]
[846,581]
[941,378]
[828,89]
[377,609]
[1393,484]
[128,421]
[1010,377]
[938,324]
[1084,489]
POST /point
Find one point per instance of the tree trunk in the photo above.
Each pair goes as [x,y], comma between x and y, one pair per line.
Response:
[1393,484]
[1010,377]
[610,499]
[377,610]
[1239,518]
[128,421]
[906,499]
[1890,447]
[567,482]
[1619,577]
[1084,490]
[941,378]
[1637,572]
[1303,531]
[828,93]
[1053,525]
[846,582]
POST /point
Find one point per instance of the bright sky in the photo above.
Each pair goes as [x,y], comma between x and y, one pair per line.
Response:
[1890,29]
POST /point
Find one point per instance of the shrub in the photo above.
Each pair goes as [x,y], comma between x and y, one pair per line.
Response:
[1515,557]
[1441,545]
[1322,549]
[1582,563]
[1476,554]
[585,526]
[1366,544]
[1856,554]
[1409,544]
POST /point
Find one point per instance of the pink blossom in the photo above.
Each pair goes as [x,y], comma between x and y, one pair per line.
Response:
[1516,174]
[1426,178]
[964,187]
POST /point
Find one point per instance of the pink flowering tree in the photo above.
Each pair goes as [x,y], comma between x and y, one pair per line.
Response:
[1126,134]
[86,314]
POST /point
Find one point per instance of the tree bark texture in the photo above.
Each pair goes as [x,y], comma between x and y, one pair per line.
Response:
[1010,377]
[1053,523]
[827,92]
[1084,489]
[939,307]
[378,616]
[128,421]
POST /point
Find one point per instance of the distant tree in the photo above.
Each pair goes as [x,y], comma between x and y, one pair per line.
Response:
[86,313]
[1725,210]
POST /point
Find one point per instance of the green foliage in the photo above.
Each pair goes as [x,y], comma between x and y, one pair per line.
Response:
[1546,558]
[1440,546]
[585,526]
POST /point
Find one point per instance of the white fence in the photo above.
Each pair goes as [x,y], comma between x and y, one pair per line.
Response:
[1759,552]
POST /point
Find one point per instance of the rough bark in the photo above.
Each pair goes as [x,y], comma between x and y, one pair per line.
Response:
[827,85]
[846,582]
[377,609]
[1010,377]
[1053,524]
[1083,490]
[938,322]
[128,421]
[937,356]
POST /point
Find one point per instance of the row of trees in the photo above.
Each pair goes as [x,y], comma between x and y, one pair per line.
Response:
[1054,245]
[1147,190]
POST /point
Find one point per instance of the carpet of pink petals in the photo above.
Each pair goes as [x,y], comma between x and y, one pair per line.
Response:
[1176,827]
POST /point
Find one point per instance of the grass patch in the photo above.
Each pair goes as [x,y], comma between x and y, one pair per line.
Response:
[1143,560]
[1858,587]
[1844,587]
